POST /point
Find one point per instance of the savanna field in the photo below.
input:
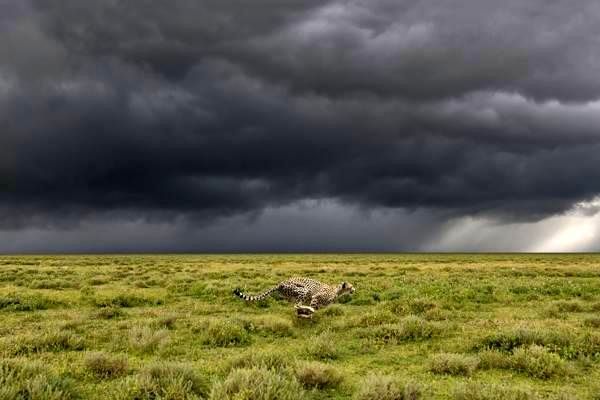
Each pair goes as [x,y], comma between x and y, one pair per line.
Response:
[437,326]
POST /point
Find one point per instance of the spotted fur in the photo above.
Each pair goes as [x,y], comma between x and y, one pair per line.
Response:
[303,291]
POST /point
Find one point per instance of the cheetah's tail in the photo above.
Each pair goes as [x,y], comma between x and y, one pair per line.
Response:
[258,297]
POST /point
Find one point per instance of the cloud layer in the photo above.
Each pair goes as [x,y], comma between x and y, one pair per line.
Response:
[196,111]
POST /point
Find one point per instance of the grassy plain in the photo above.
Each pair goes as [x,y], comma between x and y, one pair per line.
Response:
[439,326]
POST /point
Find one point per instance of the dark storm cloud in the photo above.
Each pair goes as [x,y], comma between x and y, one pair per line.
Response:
[416,49]
[215,108]
[317,226]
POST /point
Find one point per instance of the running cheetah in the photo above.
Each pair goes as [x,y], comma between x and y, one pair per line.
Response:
[309,294]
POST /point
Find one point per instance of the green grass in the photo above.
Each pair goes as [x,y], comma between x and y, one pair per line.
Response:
[431,326]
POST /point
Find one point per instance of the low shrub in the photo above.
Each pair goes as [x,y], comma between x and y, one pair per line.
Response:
[318,375]
[566,345]
[163,381]
[494,359]
[157,378]
[552,311]
[560,309]
[474,294]
[534,360]
[412,306]
[453,364]
[420,306]
[76,325]
[323,347]
[270,325]
[593,322]
[144,339]
[573,306]
[140,284]
[225,333]
[411,328]
[105,366]
[587,344]
[55,284]
[167,321]
[127,300]
[109,313]
[478,391]
[594,391]
[25,302]
[333,310]
[537,362]
[436,314]
[47,341]
[383,387]
[375,318]
[260,359]
[98,280]
[203,290]
[25,380]
[345,298]
[361,299]
[509,340]
[257,384]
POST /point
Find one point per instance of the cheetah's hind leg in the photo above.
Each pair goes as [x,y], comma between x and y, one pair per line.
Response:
[304,311]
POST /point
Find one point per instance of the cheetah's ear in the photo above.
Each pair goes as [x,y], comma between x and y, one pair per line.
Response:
[344,285]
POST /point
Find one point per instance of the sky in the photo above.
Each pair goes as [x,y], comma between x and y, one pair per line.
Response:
[299,125]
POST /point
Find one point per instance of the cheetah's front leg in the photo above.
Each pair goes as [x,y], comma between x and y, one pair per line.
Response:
[307,311]
[303,311]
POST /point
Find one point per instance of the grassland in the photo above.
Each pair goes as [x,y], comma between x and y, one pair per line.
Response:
[452,326]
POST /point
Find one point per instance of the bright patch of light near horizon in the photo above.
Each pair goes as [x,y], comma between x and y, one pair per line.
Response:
[577,231]
[575,234]
[574,231]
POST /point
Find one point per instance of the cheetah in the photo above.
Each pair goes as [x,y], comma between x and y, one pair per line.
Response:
[309,294]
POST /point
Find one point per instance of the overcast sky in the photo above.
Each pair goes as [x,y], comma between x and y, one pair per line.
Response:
[299,125]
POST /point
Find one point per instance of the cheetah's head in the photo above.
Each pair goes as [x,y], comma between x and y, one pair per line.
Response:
[345,287]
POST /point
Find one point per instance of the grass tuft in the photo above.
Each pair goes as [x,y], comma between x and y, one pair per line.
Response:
[375,318]
[573,306]
[509,340]
[164,380]
[323,347]
[127,300]
[167,321]
[592,322]
[268,326]
[109,313]
[538,362]
[257,384]
[106,366]
[226,333]
[263,359]
[25,302]
[26,380]
[55,284]
[535,361]
[144,339]
[334,310]
[479,391]
[453,364]
[494,359]
[384,387]
[411,328]
[318,375]
[51,341]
